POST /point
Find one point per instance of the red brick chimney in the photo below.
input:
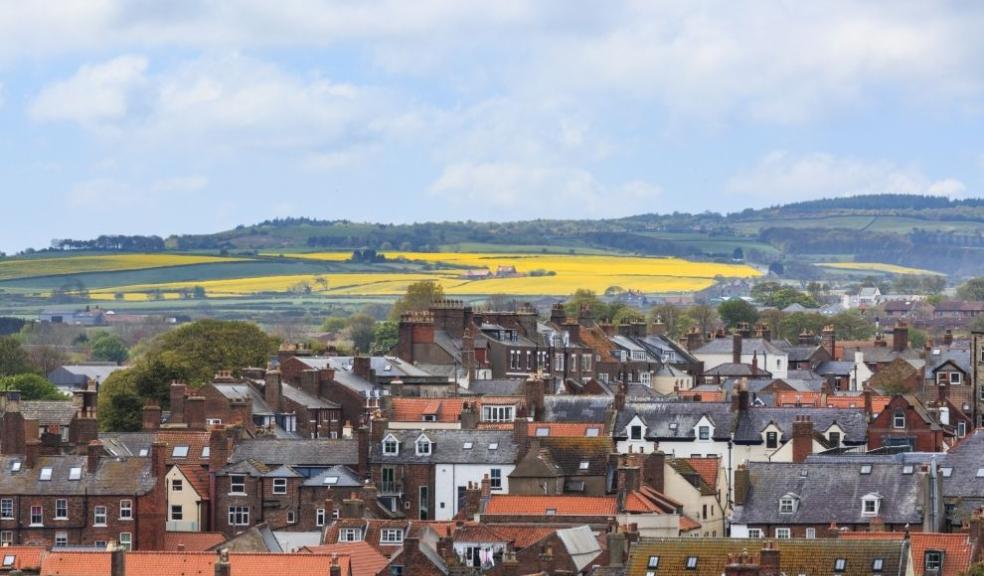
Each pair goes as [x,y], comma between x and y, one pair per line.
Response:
[362,437]
[743,481]
[740,400]
[769,560]
[741,565]
[362,367]
[94,452]
[535,389]
[653,470]
[869,408]
[828,340]
[151,416]
[272,391]
[178,390]
[900,337]
[158,454]
[694,339]
[195,412]
[218,448]
[802,438]
[736,348]
[948,338]
[12,435]
[32,452]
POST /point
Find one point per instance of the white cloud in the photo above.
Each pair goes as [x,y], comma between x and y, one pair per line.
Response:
[522,190]
[94,94]
[782,177]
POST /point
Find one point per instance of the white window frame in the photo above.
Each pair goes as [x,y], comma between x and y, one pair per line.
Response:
[632,432]
[7,508]
[897,417]
[37,519]
[350,535]
[319,517]
[6,537]
[61,539]
[784,533]
[425,443]
[869,500]
[237,480]
[126,540]
[498,413]
[811,533]
[787,505]
[126,509]
[238,515]
[100,516]
[754,532]
[495,478]
[391,446]
[391,536]
[279,486]
[937,563]
[61,505]
[704,433]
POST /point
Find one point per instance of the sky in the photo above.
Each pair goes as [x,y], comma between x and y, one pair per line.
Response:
[185,116]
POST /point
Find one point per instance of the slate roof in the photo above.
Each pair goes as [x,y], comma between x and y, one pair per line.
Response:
[97,372]
[731,370]
[347,478]
[497,387]
[318,452]
[939,357]
[801,353]
[658,417]
[834,368]
[569,453]
[965,459]
[754,421]
[576,408]
[49,412]
[581,545]
[301,397]
[957,548]
[448,447]
[564,429]
[830,492]
[812,557]
[112,477]
[238,391]
[749,346]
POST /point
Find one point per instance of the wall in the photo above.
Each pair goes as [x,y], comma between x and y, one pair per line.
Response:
[450,476]
[188,499]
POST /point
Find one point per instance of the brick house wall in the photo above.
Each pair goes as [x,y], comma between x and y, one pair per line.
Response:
[882,431]
[410,477]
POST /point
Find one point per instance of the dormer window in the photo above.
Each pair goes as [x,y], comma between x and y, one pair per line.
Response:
[834,438]
[771,440]
[787,504]
[430,418]
[933,562]
[423,445]
[898,420]
[635,432]
[704,432]
[498,413]
[391,446]
[870,503]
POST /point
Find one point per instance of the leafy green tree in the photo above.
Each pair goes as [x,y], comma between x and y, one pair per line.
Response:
[794,324]
[46,358]
[851,325]
[109,347]
[583,298]
[703,316]
[207,346]
[419,296]
[362,331]
[736,311]
[627,314]
[333,324]
[675,319]
[977,324]
[780,296]
[13,358]
[121,412]
[973,289]
[32,387]
[975,570]
[917,338]
[385,337]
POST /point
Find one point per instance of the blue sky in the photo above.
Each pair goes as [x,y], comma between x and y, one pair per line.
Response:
[190,117]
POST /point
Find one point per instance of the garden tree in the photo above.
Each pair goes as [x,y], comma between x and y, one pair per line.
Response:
[780,296]
[917,338]
[851,325]
[333,324]
[624,313]
[107,347]
[419,296]
[816,290]
[675,319]
[703,316]
[973,289]
[772,319]
[736,311]
[32,387]
[198,292]
[121,412]
[385,337]
[975,570]
[794,324]
[47,358]
[361,331]
[377,310]
[918,284]
[583,298]
[207,346]
[13,358]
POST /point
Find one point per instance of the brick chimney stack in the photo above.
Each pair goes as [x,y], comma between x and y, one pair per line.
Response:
[900,337]
[694,339]
[94,452]
[741,565]
[195,412]
[736,348]
[948,338]
[272,390]
[743,482]
[151,417]
[218,448]
[828,340]
[32,452]
[802,438]
[769,560]
[178,390]
[362,367]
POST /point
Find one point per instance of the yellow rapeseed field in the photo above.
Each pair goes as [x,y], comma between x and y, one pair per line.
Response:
[29,268]
[877,267]
[568,273]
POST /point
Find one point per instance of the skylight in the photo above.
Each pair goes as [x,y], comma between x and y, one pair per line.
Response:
[143,452]
[980,472]
[494,446]
[584,465]
[8,560]
[946,472]
[180,452]
[331,480]
[591,432]
[543,432]
[75,474]
[866,469]
[16,467]
[45,474]
[550,512]
[907,469]
[206,452]
[468,445]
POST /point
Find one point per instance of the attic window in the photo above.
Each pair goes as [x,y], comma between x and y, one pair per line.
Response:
[877,565]
[787,505]
[8,560]
[591,432]
[673,426]
[331,480]
[15,467]
[45,474]
[75,474]
[584,465]
[907,469]
[866,469]
[980,472]
[691,562]
[430,418]
[653,562]
[550,512]
[143,452]
[468,445]
[840,564]
[494,446]
[179,452]
[206,452]
[869,505]
[423,446]
[946,472]
[543,432]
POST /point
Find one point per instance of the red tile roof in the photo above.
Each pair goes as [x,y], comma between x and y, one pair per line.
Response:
[708,468]
[171,563]
[192,541]
[195,441]
[446,409]
[878,403]
[687,524]
[197,477]
[249,564]
[957,548]
[506,505]
[564,429]
[705,395]
[25,557]
[95,563]
[365,560]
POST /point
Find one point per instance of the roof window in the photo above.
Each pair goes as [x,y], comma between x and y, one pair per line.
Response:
[866,469]
[180,452]
[75,473]
[45,474]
